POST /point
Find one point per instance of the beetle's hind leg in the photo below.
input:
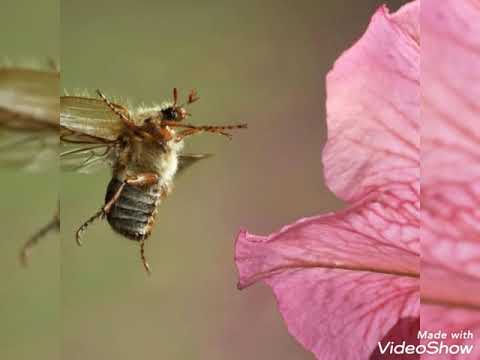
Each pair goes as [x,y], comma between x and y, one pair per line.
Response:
[142,256]
[99,214]
[141,179]
[86,224]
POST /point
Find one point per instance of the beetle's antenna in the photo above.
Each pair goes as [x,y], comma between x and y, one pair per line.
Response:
[192,97]
[175,96]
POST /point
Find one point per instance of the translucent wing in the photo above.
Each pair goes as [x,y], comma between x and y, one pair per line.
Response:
[84,118]
[187,160]
[29,118]
[89,131]
[87,159]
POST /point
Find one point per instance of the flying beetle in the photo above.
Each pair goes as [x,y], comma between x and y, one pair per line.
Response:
[143,148]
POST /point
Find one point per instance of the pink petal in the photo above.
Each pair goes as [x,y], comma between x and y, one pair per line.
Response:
[340,290]
[451,166]
[348,280]
[362,238]
[373,110]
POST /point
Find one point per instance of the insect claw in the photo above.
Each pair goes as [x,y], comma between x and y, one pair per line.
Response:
[147,268]
[78,238]
[142,257]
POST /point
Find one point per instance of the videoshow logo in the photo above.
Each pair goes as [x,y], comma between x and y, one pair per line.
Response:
[434,344]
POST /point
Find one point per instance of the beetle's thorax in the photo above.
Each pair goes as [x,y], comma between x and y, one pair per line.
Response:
[145,156]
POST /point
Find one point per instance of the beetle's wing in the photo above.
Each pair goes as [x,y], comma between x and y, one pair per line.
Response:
[29,118]
[89,132]
[87,159]
[87,119]
[187,160]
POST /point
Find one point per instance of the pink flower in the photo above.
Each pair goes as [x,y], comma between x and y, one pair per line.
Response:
[450,237]
[348,280]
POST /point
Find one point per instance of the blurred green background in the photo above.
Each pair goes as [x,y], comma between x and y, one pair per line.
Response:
[30,299]
[262,62]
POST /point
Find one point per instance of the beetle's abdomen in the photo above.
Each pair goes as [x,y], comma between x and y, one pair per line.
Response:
[133,213]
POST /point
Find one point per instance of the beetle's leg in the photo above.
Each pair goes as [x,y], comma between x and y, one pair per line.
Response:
[212,128]
[100,213]
[206,128]
[85,225]
[185,133]
[142,256]
[189,132]
[26,248]
[119,111]
[192,130]
[142,179]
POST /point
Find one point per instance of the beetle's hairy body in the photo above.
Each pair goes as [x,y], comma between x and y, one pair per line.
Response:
[133,213]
